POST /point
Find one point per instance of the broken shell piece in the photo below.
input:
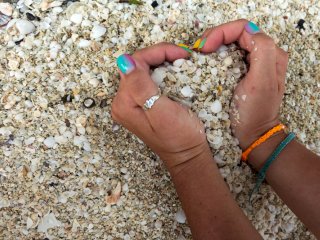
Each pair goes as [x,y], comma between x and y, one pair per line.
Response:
[48,221]
[83,43]
[113,198]
[67,98]
[216,106]
[228,61]
[25,27]
[180,216]
[97,31]
[6,8]
[29,223]
[187,91]
[45,5]
[4,19]
[76,18]
[104,103]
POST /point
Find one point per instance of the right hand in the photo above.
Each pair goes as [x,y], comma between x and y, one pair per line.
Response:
[257,98]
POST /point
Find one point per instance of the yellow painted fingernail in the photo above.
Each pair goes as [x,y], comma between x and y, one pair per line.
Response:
[197,44]
[185,47]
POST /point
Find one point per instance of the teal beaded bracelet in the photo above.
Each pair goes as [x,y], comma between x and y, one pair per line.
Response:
[265,167]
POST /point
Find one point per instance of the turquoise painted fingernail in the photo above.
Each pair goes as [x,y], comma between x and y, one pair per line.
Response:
[126,63]
[202,43]
[252,28]
[184,47]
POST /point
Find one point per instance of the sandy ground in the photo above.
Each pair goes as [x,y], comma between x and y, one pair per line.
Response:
[67,171]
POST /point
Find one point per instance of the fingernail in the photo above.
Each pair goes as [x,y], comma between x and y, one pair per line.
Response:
[252,28]
[185,47]
[202,43]
[197,44]
[126,63]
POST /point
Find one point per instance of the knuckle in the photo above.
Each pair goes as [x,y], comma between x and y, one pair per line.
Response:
[244,20]
[114,112]
[269,43]
[163,44]
[117,109]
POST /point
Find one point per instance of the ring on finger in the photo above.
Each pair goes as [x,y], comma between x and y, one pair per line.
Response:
[151,101]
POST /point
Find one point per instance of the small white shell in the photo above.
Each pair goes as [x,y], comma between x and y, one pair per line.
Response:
[25,27]
[76,18]
[216,106]
[180,216]
[187,91]
[97,31]
[6,9]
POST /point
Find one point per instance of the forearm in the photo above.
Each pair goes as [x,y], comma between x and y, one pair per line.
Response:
[295,177]
[210,209]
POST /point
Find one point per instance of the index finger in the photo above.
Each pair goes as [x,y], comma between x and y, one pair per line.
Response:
[228,33]
[159,53]
[263,51]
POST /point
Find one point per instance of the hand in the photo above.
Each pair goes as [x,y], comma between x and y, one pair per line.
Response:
[171,130]
[257,98]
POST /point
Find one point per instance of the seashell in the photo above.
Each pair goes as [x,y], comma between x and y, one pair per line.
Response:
[115,127]
[216,106]
[97,31]
[83,43]
[187,91]
[76,18]
[67,98]
[6,8]
[171,77]
[29,223]
[104,103]
[180,216]
[4,19]
[45,5]
[48,221]
[24,26]
[89,102]
[228,61]
[158,75]
[114,197]
[32,17]
[50,142]
[178,62]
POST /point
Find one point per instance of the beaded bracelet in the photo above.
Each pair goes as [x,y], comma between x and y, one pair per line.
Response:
[262,139]
[274,155]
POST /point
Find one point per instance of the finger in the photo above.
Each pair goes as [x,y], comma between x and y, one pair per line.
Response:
[224,34]
[263,70]
[137,123]
[282,65]
[261,47]
[159,53]
[135,77]
[139,86]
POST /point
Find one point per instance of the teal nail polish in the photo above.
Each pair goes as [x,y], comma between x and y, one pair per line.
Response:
[203,42]
[126,63]
[252,28]
[184,47]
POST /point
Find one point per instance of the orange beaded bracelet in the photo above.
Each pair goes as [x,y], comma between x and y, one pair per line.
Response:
[261,140]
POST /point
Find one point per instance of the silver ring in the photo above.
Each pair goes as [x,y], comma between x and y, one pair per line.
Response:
[150,102]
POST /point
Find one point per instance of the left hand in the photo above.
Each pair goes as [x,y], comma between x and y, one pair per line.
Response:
[171,130]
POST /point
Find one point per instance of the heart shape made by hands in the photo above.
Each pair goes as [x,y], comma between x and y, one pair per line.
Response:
[205,83]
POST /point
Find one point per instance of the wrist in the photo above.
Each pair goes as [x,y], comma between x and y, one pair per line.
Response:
[260,154]
[177,165]
[248,135]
